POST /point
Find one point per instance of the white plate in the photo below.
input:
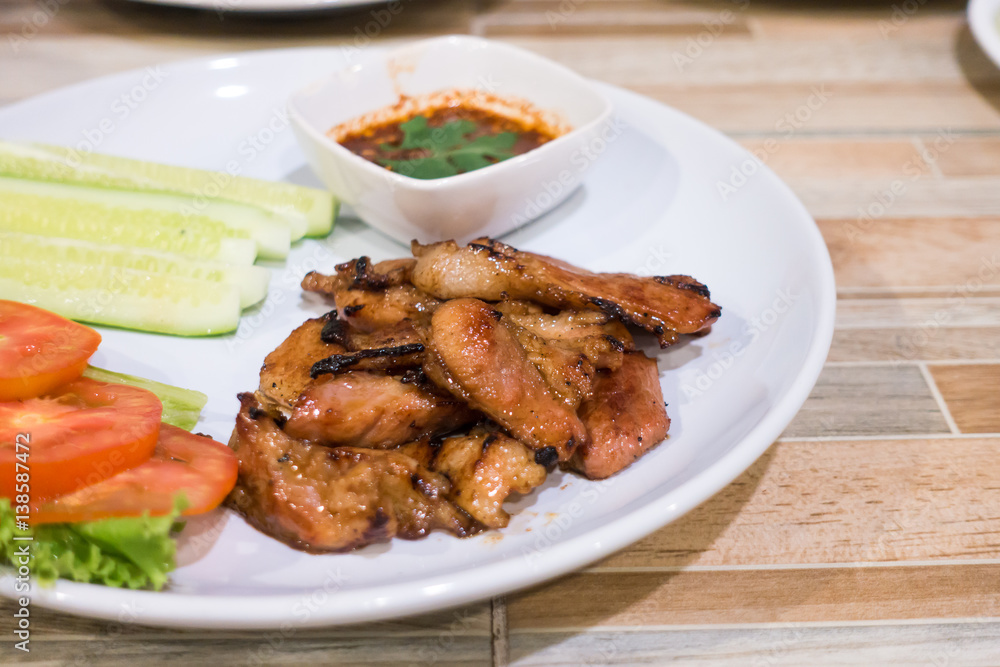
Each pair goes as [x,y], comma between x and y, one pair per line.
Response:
[984,20]
[265,6]
[652,205]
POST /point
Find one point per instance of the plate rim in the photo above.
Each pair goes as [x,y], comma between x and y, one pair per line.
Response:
[559,559]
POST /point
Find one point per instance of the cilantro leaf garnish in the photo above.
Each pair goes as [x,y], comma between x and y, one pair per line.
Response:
[446,150]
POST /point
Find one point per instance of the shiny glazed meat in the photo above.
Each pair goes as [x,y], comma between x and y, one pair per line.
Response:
[334,499]
[285,372]
[489,270]
[477,358]
[594,334]
[371,297]
[444,384]
[363,409]
[624,417]
[484,470]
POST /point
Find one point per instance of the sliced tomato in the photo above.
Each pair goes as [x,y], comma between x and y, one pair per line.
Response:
[40,350]
[84,432]
[195,466]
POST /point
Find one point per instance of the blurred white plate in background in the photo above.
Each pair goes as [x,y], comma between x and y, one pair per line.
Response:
[984,20]
[265,6]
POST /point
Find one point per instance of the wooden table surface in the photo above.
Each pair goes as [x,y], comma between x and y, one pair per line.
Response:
[870,532]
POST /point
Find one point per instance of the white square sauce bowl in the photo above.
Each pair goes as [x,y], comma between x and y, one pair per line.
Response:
[489,201]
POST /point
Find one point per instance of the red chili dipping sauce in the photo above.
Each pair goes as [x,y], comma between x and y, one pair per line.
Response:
[447,134]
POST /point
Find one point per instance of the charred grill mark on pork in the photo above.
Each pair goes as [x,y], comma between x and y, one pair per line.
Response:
[401,355]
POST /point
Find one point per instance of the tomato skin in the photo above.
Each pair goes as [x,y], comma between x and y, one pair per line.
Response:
[83,433]
[184,463]
[40,350]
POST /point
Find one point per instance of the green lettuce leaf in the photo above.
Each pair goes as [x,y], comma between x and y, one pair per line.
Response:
[131,553]
[181,407]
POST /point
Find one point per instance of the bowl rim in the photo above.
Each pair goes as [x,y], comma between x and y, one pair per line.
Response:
[394,179]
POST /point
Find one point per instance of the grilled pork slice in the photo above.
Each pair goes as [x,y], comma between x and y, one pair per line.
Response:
[285,372]
[594,334]
[371,410]
[362,274]
[567,372]
[489,270]
[404,332]
[625,416]
[393,347]
[484,470]
[372,297]
[475,356]
[319,499]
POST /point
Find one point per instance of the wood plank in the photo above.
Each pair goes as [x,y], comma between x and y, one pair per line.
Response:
[603,600]
[868,400]
[902,344]
[971,644]
[606,20]
[472,620]
[927,314]
[972,394]
[455,637]
[346,652]
[853,107]
[972,157]
[717,51]
[916,196]
[862,158]
[841,502]
[958,253]
[846,22]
